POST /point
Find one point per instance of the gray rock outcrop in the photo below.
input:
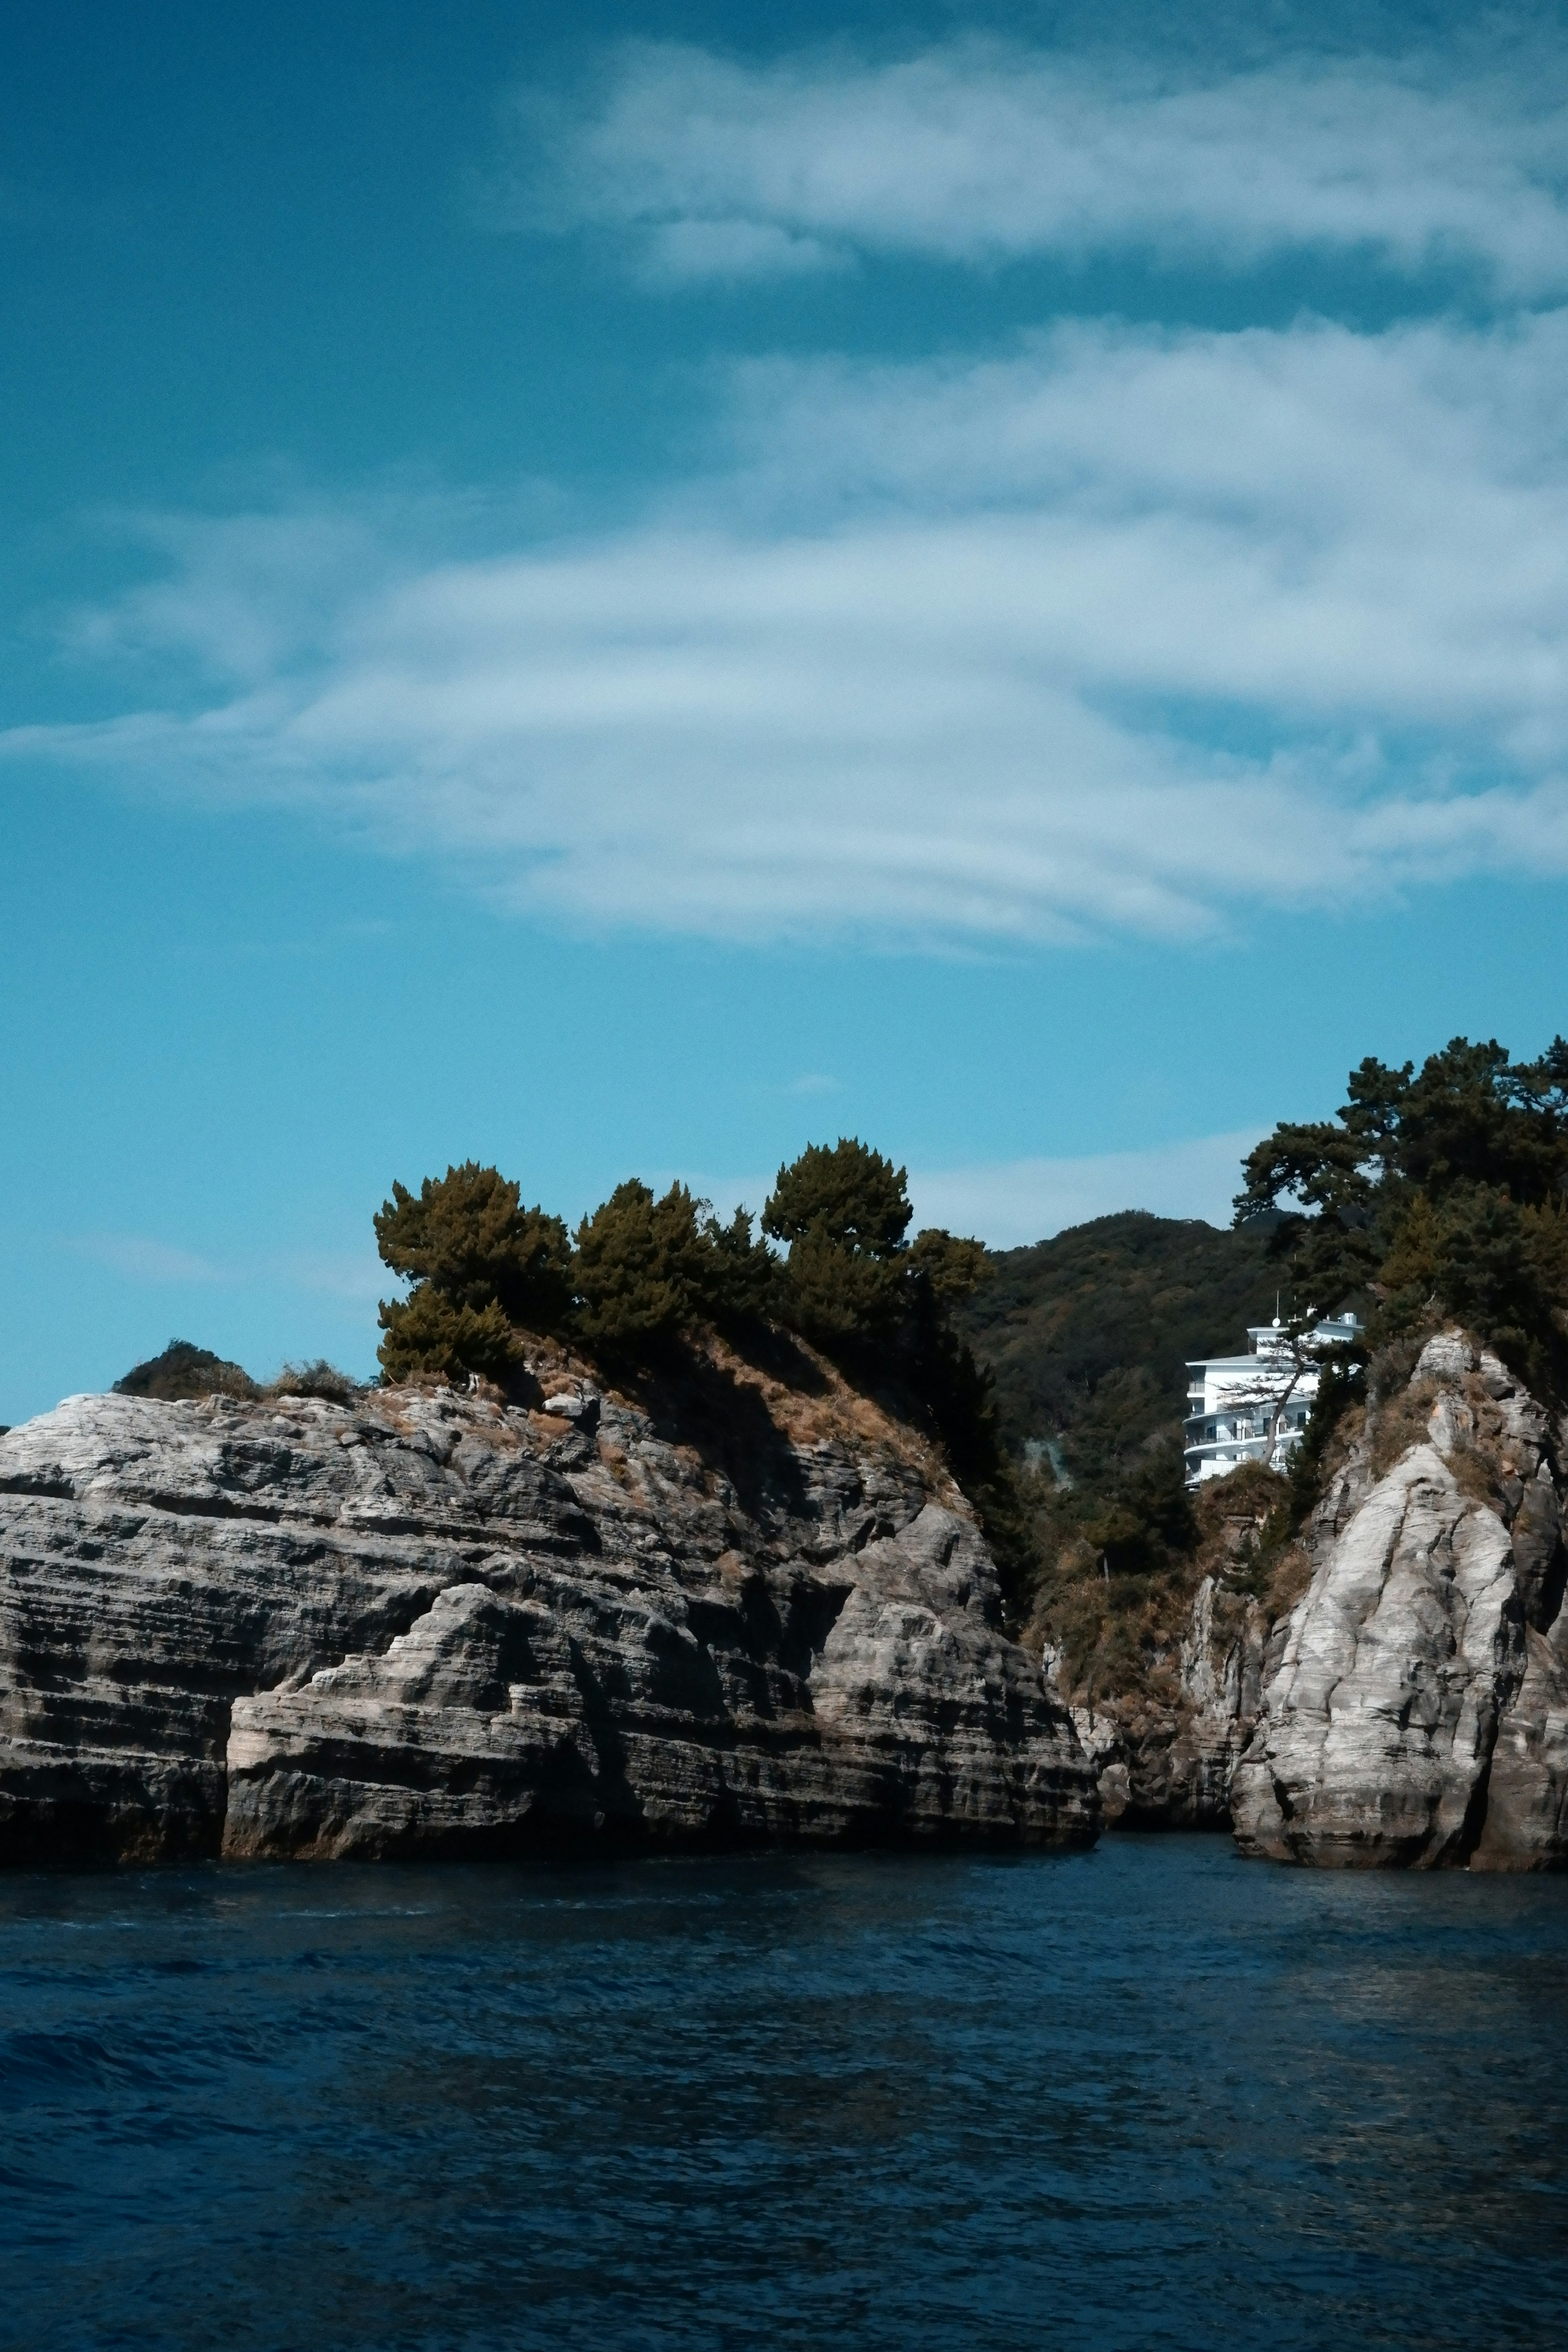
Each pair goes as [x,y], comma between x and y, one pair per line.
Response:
[428,1623]
[1165,1753]
[1419,1713]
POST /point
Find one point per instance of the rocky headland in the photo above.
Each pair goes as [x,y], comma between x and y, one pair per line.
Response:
[1411,1706]
[1414,1707]
[426,1622]
[744,1608]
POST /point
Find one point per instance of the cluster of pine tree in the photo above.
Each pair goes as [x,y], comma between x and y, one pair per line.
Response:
[640,1271]
[643,1272]
[1438,1194]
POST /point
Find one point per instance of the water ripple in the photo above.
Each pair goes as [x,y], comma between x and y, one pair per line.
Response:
[1150,2096]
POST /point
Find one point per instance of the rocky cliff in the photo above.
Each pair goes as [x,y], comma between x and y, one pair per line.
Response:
[1165,1756]
[428,1623]
[1417,1712]
[1168,1694]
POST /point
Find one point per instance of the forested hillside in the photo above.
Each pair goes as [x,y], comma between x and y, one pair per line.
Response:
[1088,1334]
[1436,1195]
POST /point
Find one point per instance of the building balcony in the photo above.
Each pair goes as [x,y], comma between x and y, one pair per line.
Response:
[1213,1457]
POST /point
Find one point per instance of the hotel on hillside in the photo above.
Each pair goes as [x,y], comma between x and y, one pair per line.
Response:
[1233,1403]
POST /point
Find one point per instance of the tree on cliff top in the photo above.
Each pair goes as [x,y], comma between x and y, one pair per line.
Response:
[855,1287]
[843,1211]
[184,1371]
[1441,1191]
[638,1267]
[847,1191]
[646,1270]
[468,1235]
[480,1263]
[484,1268]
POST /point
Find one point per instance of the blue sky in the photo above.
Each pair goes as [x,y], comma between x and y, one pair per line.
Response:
[628,599]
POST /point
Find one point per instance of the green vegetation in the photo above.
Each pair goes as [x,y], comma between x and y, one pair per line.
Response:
[431,1334]
[882,1307]
[1088,1334]
[641,1271]
[1436,1195]
[843,1212]
[1433,1195]
[315,1379]
[468,1233]
[643,1274]
[1119,1622]
[183,1370]
[640,1268]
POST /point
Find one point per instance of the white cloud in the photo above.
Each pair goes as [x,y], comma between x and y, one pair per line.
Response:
[1010,1202]
[1125,632]
[982,151]
[681,251]
[141,1258]
[355,1275]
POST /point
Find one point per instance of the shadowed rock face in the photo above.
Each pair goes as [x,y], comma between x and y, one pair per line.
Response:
[425,1624]
[1166,1762]
[1419,1711]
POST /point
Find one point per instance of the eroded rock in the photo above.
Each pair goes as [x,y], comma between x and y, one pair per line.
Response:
[1165,1751]
[423,1623]
[1419,1711]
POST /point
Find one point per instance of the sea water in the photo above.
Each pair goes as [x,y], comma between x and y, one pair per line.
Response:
[1148,2095]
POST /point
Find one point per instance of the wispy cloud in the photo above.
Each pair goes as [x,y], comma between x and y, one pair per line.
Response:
[1126,631]
[1010,1202]
[139,1257]
[984,151]
[355,1276]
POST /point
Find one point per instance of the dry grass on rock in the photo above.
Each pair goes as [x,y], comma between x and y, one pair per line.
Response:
[1122,1635]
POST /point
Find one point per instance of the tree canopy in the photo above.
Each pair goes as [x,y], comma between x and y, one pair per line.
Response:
[468,1234]
[846,1193]
[1436,1190]
[483,1267]
[642,1271]
[843,1211]
[184,1370]
[638,1271]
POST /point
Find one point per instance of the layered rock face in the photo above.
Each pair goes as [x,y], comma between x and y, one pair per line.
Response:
[1165,1761]
[1419,1713]
[428,1623]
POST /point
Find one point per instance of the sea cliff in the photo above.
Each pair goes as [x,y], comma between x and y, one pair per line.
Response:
[736,1608]
[1411,1706]
[1417,1708]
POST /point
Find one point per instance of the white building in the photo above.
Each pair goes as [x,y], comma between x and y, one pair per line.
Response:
[1253,1408]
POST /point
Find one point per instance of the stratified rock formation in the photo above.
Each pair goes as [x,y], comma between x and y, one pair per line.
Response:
[428,1623]
[1165,1756]
[1419,1711]
[1166,1688]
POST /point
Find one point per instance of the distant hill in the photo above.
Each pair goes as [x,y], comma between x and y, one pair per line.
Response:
[1088,1334]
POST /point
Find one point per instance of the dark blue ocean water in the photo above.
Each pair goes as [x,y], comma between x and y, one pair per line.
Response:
[1149,2096]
